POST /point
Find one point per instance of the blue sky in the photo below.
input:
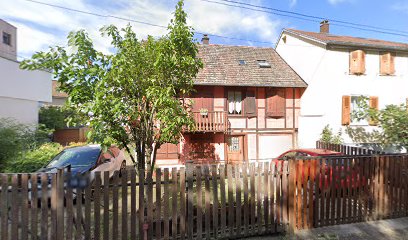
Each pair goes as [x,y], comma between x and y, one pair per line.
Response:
[40,26]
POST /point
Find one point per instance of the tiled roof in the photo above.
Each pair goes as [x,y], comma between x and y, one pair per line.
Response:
[327,38]
[221,67]
[55,92]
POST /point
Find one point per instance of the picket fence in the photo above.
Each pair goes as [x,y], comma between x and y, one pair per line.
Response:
[204,201]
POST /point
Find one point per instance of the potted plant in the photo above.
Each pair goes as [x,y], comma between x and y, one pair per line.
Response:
[204,112]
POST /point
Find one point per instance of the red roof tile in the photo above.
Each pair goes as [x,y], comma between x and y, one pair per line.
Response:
[221,67]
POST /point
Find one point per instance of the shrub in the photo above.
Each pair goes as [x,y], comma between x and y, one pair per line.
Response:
[33,160]
[327,136]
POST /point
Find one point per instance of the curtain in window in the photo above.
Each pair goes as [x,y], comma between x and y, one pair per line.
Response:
[231,102]
[238,102]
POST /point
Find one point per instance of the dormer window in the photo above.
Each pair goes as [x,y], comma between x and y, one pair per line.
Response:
[7,38]
[264,64]
[241,62]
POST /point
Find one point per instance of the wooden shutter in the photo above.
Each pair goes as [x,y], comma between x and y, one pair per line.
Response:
[392,63]
[387,63]
[345,113]
[276,103]
[373,104]
[357,62]
[250,104]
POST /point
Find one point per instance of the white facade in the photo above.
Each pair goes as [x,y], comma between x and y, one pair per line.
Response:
[326,70]
[22,92]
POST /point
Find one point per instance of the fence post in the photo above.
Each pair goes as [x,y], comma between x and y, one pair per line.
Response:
[291,196]
[60,204]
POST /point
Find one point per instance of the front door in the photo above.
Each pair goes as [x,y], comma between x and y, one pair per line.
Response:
[235,149]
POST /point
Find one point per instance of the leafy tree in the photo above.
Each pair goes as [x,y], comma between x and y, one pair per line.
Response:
[135,96]
[57,117]
[392,122]
[327,136]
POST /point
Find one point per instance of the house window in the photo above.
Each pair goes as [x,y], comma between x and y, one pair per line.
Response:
[235,102]
[233,144]
[357,62]
[6,38]
[353,104]
[387,65]
[354,107]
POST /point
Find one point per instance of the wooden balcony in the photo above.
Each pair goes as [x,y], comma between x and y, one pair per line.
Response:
[211,122]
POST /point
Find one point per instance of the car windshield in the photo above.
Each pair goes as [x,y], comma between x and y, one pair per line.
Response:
[76,157]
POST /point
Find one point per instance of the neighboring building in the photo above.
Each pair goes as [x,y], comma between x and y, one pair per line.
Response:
[339,69]
[21,92]
[246,107]
[58,98]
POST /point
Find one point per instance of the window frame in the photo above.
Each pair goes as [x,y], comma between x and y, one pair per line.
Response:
[353,122]
[235,90]
[8,35]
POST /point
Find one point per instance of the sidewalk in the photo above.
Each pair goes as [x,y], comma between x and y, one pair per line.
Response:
[395,229]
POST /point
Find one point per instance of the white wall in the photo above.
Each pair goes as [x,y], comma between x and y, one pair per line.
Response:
[327,73]
[24,111]
[271,146]
[21,91]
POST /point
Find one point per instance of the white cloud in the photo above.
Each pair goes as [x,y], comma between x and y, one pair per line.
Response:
[230,21]
[40,26]
[292,3]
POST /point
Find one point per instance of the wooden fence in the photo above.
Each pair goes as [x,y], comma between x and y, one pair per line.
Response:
[194,202]
[347,150]
[347,189]
[210,201]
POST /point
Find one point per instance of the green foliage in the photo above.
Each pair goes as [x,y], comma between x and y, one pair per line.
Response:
[327,136]
[134,97]
[57,117]
[392,122]
[16,138]
[33,160]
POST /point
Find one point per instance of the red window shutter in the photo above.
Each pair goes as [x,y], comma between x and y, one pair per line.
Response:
[345,118]
[276,103]
[392,63]
[357,62]
[250,104]
[373,104]
[387,63]
[361,62]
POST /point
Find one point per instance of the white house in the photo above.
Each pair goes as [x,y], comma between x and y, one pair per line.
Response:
[339,69]
[21,92]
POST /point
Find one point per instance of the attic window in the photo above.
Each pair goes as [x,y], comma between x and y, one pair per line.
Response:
[242,62]
[263,64]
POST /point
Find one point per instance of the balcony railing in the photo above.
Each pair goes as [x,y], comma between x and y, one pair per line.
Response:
[211,121]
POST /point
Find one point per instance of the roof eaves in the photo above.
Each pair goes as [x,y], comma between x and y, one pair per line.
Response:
[306,36]
[374,46]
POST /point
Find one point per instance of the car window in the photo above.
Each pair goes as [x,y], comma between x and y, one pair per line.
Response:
[289,155]
[302,154]
[76,157]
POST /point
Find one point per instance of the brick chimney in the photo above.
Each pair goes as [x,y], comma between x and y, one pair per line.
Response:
[205,40]
[324,26]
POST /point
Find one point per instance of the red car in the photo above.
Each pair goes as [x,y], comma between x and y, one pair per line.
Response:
[344,176]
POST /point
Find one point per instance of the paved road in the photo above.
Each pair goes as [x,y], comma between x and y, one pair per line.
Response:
[395,229]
